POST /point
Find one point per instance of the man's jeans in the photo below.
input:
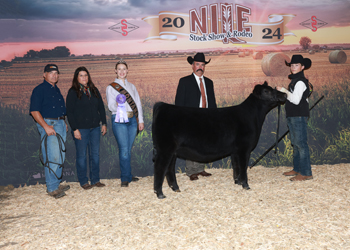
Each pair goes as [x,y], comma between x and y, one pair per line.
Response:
[301,155]
[125,134]
[90,140]
[55,155]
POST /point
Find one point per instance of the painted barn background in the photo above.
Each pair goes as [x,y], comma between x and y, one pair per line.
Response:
[155,38]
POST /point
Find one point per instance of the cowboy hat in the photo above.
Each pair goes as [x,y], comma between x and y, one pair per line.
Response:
[299,59]
[199,57]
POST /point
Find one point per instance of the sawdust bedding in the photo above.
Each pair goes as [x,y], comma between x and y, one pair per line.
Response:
[211,213]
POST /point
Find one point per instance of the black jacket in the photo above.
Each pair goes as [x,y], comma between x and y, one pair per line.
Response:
[85,113]
[188,93]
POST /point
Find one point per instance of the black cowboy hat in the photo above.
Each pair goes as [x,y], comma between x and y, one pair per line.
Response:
[299,59]
[199,57]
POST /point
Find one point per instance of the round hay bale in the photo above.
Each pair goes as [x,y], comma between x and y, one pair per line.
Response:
[258,55]
[241,54]
[337,56]
[274,64]
[311,52]
[247,53]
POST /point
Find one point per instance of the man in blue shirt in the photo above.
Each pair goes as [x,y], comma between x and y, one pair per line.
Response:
[48,109]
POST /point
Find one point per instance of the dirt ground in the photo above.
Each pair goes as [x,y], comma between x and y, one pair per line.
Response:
[211,213]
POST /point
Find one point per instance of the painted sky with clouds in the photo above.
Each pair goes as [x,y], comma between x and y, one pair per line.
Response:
[84,23]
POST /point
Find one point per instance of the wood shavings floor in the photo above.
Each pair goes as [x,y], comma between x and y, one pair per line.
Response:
[211,213]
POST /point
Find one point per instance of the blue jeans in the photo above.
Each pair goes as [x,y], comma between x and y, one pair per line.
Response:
[55,155]
[125,134]
[301,155]
[90,142]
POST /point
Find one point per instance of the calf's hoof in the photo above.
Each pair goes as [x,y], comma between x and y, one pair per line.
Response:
[246,187]
[177,191]
[161,196]
[175,188]
[238,182]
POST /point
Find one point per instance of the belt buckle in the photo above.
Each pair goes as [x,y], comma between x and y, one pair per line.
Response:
[130,114]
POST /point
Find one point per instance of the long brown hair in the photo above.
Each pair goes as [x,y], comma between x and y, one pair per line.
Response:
[76,84]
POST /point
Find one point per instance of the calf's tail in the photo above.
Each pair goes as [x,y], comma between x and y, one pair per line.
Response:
[154,154]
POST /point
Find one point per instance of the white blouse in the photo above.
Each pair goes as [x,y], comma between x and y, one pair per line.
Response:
[112,93]
[295,96]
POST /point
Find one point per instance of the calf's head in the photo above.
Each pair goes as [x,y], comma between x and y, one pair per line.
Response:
[270,95]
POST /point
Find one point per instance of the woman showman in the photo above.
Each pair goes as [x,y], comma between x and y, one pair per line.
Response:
[85,112]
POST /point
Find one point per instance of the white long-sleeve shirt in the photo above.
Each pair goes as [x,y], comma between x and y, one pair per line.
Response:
[112,93]
[295,96]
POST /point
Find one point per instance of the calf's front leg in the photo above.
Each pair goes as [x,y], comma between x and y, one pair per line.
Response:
[240,166]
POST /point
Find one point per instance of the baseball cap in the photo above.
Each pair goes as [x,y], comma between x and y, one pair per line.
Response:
[51,67]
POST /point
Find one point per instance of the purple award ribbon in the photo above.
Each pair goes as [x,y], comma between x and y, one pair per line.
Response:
[121,116]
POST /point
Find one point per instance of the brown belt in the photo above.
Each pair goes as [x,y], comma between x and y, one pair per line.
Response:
[57,118]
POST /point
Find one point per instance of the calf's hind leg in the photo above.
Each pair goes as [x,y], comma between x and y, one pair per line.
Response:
[171,177]
[236,169]
[161,166]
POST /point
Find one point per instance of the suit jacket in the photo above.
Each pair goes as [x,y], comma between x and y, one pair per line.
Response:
[188,93]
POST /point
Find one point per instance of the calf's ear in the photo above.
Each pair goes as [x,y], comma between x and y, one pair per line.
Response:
[265,83]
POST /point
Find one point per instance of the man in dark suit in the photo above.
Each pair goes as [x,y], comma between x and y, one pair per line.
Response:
[196,91]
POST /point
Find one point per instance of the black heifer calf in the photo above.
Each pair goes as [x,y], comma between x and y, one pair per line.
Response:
[206,135]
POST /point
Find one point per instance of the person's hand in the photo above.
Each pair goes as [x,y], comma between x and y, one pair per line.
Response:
[77,134]
[66,127]
[50,130]
[104,129]
[281,89]
[141,126]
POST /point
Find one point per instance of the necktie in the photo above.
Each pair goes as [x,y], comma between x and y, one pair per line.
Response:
[204,101]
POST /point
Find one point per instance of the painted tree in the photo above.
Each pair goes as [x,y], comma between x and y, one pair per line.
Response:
[305,42]
[59,51]
[31,54]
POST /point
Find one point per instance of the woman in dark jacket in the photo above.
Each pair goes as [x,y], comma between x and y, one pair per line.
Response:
[85,112]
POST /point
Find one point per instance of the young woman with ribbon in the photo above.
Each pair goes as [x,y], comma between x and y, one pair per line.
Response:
[127,118]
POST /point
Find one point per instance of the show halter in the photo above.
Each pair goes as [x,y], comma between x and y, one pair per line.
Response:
[62,149]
